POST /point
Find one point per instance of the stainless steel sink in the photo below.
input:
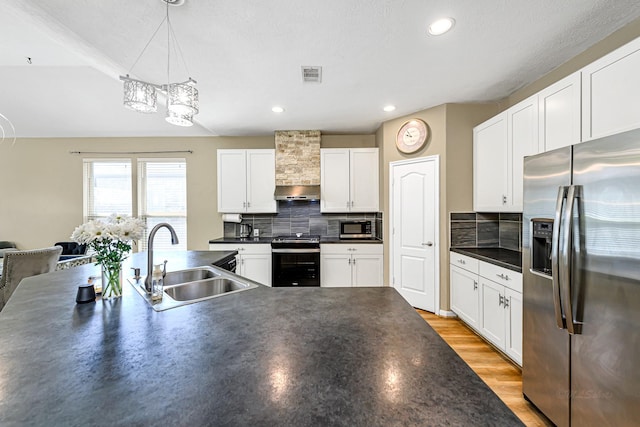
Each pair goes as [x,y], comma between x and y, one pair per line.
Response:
[190,275]
[193,285]
[204,288]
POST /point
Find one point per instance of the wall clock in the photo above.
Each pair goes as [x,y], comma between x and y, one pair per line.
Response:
[412,136]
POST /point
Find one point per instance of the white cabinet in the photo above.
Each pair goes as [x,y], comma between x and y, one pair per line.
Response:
[465,293]
[522,140]
[492,323]
[253,260]
[611,93]
[513,322]
[501,309]
[347,265]
[559,113]
[499,147]
[246,181]
[488,298]
[349,180]
[490,164]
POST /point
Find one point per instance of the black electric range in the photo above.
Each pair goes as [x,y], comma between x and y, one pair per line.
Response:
[295,260]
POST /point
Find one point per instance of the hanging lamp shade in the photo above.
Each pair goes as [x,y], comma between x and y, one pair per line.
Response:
[179,119]
[183,99]
[140,96]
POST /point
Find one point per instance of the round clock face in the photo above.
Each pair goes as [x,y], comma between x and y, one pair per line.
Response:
[412,136]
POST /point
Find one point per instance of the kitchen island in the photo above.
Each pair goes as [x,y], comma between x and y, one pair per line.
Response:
[265,356]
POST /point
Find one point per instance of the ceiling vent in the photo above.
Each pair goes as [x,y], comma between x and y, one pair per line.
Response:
[311,74]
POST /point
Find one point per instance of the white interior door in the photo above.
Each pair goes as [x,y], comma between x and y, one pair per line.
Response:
[414,234]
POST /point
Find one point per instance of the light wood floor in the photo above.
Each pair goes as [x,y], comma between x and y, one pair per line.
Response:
[502,376]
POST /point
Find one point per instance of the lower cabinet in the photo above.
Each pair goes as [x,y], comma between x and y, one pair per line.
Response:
[488,298]
[253,260]
[347,265]
[465,295]
[502,318]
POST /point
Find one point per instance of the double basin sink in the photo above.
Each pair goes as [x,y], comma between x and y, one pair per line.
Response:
[194,285]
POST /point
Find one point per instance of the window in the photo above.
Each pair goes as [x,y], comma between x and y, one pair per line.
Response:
[160,195]
[107,188]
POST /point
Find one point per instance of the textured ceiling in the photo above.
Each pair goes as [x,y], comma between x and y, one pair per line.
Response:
[246,57]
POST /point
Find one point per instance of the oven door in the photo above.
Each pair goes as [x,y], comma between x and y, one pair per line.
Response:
[295,267]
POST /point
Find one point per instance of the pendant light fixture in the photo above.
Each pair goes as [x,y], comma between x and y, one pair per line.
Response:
[182,98]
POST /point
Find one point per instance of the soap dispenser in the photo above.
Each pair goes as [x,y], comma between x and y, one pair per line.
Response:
[157,283]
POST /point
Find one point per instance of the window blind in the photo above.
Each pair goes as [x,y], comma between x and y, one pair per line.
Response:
[107,187]
[162,197]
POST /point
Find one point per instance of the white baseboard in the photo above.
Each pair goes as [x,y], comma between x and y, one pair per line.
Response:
[447,313]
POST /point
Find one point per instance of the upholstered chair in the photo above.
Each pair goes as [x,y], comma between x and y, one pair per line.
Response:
[21,264]
[72,248]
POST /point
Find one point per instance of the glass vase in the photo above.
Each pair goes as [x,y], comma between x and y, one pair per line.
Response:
[111,281]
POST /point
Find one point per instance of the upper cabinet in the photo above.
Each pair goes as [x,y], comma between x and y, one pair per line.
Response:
[490,164]
[246,181]
[499,147]
[522,141]
[349,180]
[601,99]
[611,93]
[559,113]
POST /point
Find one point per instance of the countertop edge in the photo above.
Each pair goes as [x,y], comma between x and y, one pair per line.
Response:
[500,263]
[267,240]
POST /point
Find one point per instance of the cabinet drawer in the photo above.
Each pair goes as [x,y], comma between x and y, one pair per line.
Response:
[351,249]
[463,261]
[509,278]
[243,249]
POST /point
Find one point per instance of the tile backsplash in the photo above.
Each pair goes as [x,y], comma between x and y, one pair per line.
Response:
[301,217]
[489,230]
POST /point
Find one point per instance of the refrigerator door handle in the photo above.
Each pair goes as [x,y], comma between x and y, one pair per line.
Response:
[555,258]
[574,192]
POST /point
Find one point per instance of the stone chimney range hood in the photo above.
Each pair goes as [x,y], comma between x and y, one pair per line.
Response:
[297,165]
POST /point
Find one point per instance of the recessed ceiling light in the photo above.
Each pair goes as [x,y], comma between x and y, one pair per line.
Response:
[277,109]
[441,26]
[389,108]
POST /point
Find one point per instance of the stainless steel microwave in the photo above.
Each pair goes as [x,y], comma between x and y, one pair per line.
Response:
[356,229]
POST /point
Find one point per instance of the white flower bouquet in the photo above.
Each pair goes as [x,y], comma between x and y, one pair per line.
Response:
[111,242]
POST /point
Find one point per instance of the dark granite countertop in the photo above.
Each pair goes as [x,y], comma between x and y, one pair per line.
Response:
[326,239]
[498,256]
[265,240]
[323,239]
[263,357]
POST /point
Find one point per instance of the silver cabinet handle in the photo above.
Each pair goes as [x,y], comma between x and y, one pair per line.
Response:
[475,285]
[503,276]
[427,244]
[244,204]
[349,260]
[354,261]
[506,302]
[504,200]
[500,300]
[352,203]
[461,261]
[248,204]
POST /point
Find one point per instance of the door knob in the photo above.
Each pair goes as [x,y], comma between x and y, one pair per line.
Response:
[427,244]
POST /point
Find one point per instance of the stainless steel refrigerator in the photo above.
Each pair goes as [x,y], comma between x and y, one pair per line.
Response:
[581,272]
